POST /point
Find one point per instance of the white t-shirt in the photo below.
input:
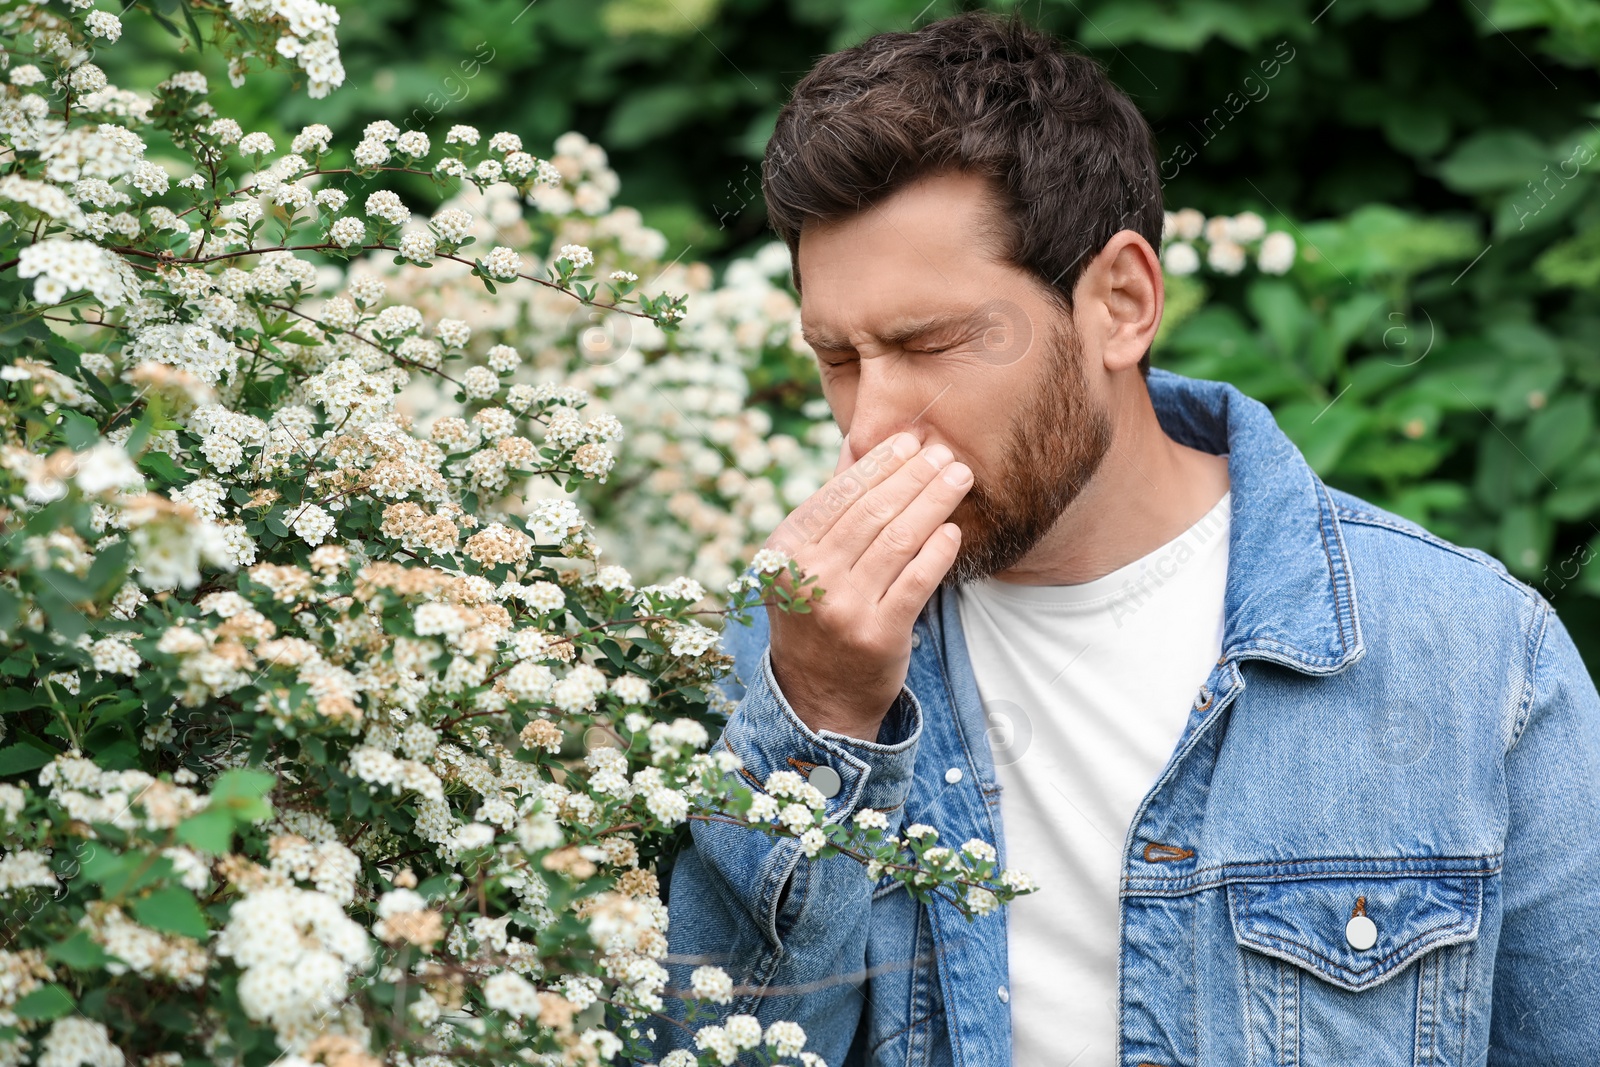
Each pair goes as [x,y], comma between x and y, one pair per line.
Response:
[1086,689]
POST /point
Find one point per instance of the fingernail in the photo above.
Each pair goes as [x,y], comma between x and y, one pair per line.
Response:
[958,474]
[938,455]
[905,445]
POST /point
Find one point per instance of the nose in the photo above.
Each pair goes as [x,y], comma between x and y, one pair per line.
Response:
[881,410]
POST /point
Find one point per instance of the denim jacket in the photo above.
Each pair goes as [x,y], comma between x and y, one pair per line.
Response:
[1395,728]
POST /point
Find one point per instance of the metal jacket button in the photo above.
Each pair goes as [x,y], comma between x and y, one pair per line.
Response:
[916,639]
[1361,932]
[825,779]
[953,775]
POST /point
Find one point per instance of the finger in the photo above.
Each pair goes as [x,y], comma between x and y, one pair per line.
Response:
[908,595]
[905,534]
[846,457]
[812,520]
[853,534]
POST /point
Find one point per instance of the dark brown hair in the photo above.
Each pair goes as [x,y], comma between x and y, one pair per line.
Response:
[1071,157]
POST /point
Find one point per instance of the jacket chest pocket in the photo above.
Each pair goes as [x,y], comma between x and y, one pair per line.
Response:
[1362,970]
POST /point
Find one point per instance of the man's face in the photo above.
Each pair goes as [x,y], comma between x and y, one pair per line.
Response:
[918,326]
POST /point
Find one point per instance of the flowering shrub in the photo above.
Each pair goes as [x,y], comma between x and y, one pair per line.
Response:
[326,737]
[734,430]
[710,474]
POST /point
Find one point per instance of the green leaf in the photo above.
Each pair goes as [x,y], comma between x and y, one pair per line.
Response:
[173,911]
[178,1017]
[194,29]
[1282,313]
[78,952]
[80,432]
[244,784]
[98,864]
[1558,432]
[46,1002]
[166,24]
[1323,431]
[1493,159]
[161,466]
[1525,536]
[21,758]
[210,831]
[109,569]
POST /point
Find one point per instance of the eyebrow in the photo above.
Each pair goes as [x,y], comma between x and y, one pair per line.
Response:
[898,334]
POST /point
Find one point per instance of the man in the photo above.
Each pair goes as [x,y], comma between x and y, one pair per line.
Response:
[1300,782]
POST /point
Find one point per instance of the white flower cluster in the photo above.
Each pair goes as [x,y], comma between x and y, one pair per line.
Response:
[74,1041]
[1226,237]
[740,1032]
[306,32]
[25,869]
[127,800]
[297,949]
[64,266]
[146,952]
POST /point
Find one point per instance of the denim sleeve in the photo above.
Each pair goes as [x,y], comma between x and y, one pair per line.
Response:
[1546,1010]
[791,933]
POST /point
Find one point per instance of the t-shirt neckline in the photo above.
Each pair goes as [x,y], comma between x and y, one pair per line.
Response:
[1204,531]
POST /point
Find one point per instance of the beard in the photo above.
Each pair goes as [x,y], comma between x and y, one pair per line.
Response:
[1054,444]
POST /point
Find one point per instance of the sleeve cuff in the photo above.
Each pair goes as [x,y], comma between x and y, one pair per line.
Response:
[767,735]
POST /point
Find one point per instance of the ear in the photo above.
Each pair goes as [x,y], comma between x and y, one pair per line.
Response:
[1119,300]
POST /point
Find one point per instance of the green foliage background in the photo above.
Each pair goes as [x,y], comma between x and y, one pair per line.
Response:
[1437,347]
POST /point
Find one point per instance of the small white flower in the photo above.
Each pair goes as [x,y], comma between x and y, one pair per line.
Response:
[314,138]
[1225,257]
[711,983]
[104,25]
[1180,258]
[347,231]
[412,143]
[388,206]
[256,144]
[578,255]
[419,246]
[1247,226]
[454,332]
[503,359]
[871,819]
[371,153]
[87,78]
[479,383]
[313,524]
[1277,253]
[786,1038]
[502,263]
[452,224]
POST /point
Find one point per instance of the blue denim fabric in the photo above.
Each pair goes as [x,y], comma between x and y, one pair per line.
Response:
[1394,720]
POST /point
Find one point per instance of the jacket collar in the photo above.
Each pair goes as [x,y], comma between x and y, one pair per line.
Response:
[1290,596]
